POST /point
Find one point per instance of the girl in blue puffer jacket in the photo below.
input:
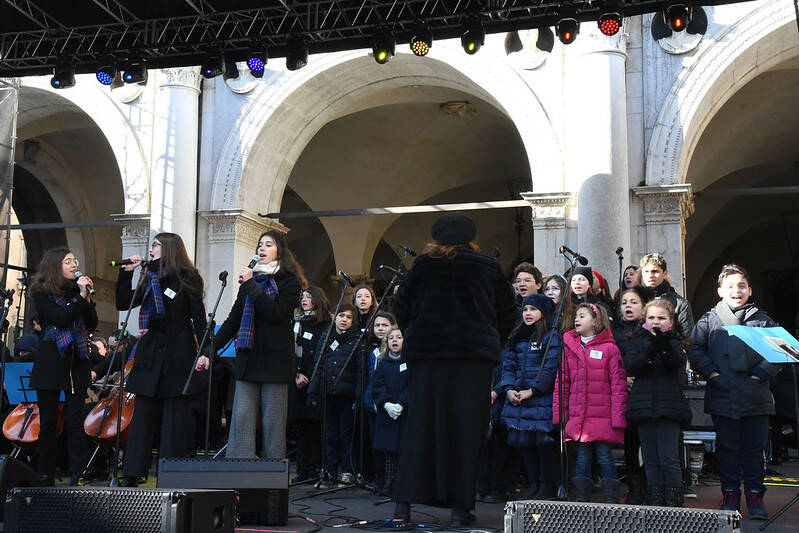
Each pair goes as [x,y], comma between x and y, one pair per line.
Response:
[528,378]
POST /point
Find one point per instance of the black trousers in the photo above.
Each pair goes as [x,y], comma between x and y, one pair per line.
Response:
[309,446]
[173,413]
[73,425]
[499,464]
[741,445]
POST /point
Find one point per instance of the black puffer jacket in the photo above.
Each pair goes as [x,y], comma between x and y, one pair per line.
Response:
[308,333]
[50,370]
[341,371]
[685,315]
[460,308]
[657,363]
[733,393]
[622,328]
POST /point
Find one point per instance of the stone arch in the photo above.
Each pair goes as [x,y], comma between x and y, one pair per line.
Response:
[113,123]
[258,156]
[740,53]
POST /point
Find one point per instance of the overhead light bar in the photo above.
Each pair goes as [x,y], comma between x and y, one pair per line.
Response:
[422,41]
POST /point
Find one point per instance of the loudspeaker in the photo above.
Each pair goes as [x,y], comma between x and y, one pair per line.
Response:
[14,473]
[696,401]
[262,485]
[566,517]
[118,510]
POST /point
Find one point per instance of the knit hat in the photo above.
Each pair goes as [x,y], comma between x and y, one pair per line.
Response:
[585,271]
[602,283]
[28,343]
[542,303]
[453,228]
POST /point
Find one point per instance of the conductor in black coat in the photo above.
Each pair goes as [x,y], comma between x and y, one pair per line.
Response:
[67,313]
[172,315]
[455,308]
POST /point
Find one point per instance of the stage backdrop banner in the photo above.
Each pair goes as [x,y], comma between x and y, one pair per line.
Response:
[9,92]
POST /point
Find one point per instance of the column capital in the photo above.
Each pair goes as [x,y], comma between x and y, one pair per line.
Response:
[186,77]
[135,229]
[666,204]
[594,41]
[549,208]
[238,225]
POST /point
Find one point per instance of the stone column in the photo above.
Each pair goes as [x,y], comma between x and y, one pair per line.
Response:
[549,227]
[666,208]
[173,167]
[596,132]
[232,237]
[135,240]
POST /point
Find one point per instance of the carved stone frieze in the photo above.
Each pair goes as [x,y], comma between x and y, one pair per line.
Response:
[666,204]
[238,225]
[549,209]
[135,229]
[187,77]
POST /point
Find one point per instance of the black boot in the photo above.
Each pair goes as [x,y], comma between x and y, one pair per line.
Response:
[546,492]
[635,492]
[402,511]
[674,496]
[655,495]
[611,490]
[129,481]
[582,488]
[462,518]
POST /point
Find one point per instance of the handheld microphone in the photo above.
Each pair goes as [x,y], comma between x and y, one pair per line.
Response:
[346,278]
[410,252]
[251,264]
[89,288]
[619,251]
[123,262]
[580,259]
[391,269]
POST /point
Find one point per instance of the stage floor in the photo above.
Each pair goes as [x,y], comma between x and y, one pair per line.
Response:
[338,509]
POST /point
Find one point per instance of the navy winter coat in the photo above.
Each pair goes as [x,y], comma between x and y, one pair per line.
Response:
[390,385]
[371,364]
[520,371]
[341,371]
[733,393]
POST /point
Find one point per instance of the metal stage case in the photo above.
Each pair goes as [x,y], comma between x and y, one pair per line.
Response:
[567,517]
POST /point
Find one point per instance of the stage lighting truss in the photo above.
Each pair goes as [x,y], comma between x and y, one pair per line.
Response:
[384,47]
[63,75]
[135,72]
[473,37]
[107,74]
[609,23]
[677,16]
[256,61]
[567,29]
[296,52]
[422,41]
[213,65]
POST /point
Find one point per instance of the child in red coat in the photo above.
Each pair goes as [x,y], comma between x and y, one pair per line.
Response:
[594,395]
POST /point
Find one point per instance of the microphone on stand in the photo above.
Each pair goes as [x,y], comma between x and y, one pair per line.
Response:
[410,252]
[391,269]
[619,251]
[580,259]
[89,288]
[123,262]
[223,276]
[250,265]
[346,278]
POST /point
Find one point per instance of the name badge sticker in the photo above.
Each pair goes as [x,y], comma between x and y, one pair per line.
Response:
[296,327]
[169,293]
[334,345]
[403,367]
[376,352]
[595,354]
[307,335]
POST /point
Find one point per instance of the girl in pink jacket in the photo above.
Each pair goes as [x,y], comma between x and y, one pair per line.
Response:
[594,398]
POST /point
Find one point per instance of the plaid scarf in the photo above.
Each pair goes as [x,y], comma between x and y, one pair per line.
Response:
[152,304]
[75,335]
[244,339]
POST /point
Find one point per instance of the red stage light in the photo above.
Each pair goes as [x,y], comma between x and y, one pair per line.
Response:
[609,23]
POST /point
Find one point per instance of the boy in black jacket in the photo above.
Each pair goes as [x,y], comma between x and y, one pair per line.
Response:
[340,371]
[737,393]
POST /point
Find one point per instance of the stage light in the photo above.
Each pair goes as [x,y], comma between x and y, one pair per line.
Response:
[135,72]
[256,62]
[609,23]
[422,41]
[63,76]
[473,37]
[677,16]
[106,74]
[231,70]
[213,66]
[567,29]
[297,53]
[384,47]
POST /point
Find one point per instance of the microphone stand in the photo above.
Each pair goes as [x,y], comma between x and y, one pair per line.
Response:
[208,339]
[562,493]
[4,295]
[619,251]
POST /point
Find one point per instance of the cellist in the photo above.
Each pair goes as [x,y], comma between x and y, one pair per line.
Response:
[67,313]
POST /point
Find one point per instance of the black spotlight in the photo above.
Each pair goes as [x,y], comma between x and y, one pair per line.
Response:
[677,16]
[567,29]
[107,74]
[63,75]
[422,41]
[135,72]
[297,53]
[231,70]
[256,61]
[609,23]
[473,37]
[384,47]
[213,65]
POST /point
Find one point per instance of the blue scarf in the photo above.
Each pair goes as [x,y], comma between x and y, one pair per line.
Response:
[75,335]
[246,334]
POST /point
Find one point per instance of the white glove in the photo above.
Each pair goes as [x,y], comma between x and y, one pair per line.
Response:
[393,409]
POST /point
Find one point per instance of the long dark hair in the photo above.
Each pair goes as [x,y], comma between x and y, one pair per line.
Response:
[371,293]
[320,303]
[175,260]
[48,275]
[540,329]
[449,251]
[285,257]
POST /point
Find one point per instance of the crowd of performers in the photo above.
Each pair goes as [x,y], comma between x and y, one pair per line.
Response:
[453,384]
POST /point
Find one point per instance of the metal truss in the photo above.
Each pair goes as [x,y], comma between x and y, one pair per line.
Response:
[326,25]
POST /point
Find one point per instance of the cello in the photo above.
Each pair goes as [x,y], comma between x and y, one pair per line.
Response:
[101,422]
[21,426]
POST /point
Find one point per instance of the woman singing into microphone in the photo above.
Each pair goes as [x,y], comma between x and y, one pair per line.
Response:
[261,320]
[66,313]
[171,315]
